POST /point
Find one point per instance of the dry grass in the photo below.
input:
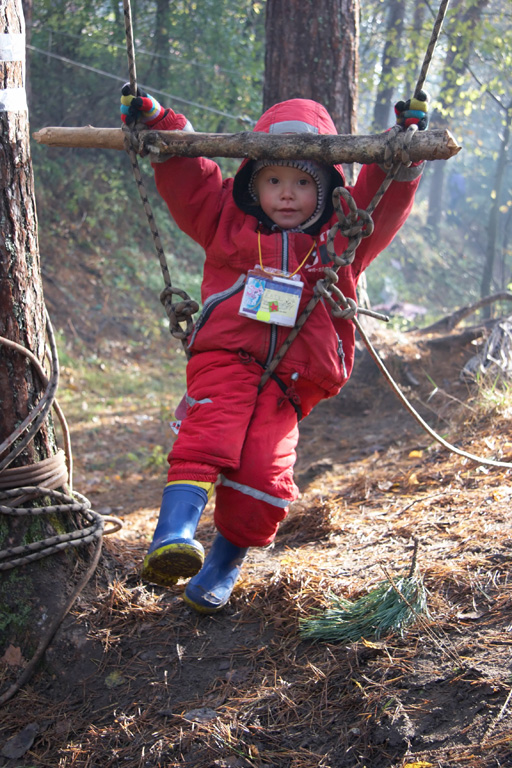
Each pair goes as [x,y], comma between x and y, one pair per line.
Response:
[135,679]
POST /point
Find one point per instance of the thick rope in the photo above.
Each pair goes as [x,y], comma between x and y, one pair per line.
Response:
[38,414]
[49,395]
[179,314]
[39,482]
[41,479]
[431,46]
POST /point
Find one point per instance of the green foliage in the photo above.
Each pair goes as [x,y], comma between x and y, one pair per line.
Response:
[210,53]
[493,395]
[441,266]
[386,608]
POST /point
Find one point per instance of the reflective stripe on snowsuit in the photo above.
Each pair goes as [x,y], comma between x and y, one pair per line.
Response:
[246,438]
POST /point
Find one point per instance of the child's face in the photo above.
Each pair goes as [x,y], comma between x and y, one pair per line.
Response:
[287,195]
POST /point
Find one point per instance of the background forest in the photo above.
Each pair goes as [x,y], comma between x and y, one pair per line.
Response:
[132,677]
[207,60]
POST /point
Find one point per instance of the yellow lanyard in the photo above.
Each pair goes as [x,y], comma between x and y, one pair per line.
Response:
[300,265]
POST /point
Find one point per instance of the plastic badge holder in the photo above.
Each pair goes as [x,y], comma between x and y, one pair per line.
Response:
[271,297]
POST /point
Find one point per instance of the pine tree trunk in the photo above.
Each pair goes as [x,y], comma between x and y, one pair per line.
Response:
[312,53]
[21,291]
[28,589]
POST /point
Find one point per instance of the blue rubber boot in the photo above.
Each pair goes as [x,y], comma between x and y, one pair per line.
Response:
[210,589]
[174,553]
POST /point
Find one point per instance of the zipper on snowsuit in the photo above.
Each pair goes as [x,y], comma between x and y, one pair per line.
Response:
[213,301]
[273,328]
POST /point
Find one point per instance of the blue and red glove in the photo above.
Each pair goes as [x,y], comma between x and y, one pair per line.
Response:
[413,111]
[140,108]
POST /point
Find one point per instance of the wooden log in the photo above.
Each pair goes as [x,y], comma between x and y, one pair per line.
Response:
[425,145]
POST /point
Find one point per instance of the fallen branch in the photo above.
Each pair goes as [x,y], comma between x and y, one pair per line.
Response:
[449,322]
[425,145]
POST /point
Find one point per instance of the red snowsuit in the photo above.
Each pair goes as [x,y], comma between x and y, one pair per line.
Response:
[231,431]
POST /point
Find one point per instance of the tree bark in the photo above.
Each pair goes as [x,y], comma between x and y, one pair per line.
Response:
[161,42]
[391,57]
[425,145]
[312,53]
[25,590]
[415,53]
[21,292]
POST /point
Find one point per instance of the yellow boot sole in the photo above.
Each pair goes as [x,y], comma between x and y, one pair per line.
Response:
[178,560]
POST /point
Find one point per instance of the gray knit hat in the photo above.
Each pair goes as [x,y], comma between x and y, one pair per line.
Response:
[320,173]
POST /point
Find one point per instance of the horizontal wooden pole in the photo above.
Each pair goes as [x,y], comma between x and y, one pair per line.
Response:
[425,145]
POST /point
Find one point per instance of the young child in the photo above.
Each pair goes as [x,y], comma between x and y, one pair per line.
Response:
[264,234]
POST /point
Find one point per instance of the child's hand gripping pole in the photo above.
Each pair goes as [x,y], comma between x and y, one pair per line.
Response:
[140,108]
[413,111]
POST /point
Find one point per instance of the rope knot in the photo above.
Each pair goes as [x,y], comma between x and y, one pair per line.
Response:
[291,395]
[179,313]
[397,147]
[354,226]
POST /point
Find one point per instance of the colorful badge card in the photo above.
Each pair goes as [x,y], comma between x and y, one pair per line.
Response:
[271,298]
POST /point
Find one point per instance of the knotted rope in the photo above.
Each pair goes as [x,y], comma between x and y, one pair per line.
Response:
[357,225]
[39,483]
[180,313]
[354,226]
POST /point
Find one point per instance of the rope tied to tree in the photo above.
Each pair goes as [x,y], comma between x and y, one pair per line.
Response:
[39,481]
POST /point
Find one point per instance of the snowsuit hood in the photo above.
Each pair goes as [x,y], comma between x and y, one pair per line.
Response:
[292,116]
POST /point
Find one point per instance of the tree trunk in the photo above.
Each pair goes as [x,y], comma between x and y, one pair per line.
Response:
[492,226]
[27,6]
[21,293]
[22,320]
[461,29]
[312,53]
[391,57]
[161,43]
[415,53]
[435,198]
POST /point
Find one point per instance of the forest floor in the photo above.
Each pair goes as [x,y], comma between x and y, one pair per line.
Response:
[135,678]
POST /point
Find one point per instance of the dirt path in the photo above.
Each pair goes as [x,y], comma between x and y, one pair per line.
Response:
[134,678]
